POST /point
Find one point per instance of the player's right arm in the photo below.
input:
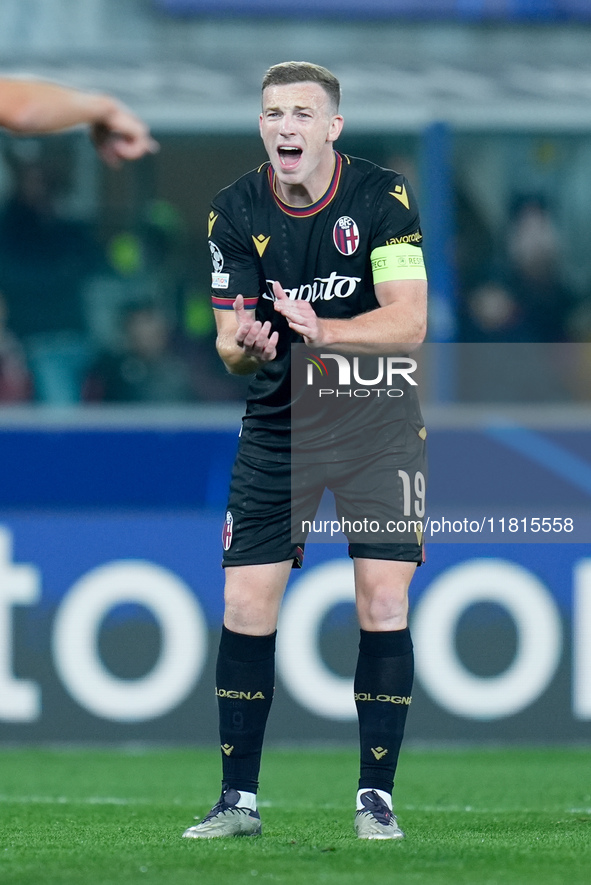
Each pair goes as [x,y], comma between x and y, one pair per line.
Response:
[243,342]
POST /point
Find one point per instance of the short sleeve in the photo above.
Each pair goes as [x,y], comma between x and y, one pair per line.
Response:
[396,218]
[234,269]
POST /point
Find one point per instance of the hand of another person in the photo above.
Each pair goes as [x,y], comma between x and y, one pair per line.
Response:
[122,136]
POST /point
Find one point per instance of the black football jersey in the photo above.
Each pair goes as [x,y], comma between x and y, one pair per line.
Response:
[319,253]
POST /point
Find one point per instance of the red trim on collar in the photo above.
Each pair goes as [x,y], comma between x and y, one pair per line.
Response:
[313,208]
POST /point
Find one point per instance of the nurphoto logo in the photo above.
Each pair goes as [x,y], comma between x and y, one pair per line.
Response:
[384,371]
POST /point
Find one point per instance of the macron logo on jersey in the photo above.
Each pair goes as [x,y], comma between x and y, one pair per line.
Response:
[321,289]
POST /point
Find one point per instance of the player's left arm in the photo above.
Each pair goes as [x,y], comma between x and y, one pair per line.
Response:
[401,319]
[400,285]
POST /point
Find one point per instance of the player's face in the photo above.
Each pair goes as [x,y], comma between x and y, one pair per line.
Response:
[298,127]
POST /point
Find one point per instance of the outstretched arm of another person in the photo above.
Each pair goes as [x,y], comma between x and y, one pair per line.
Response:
[37,107]
[401,318]
[243,342]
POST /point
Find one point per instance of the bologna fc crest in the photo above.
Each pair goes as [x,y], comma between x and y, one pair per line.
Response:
[227,530]
[346,235]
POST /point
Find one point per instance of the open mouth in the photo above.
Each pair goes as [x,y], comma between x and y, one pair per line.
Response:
[289,157]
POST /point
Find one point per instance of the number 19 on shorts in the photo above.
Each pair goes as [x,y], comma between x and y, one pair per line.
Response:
[416,486]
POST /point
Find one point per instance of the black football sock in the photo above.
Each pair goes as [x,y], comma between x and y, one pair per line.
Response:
[245,677]
[383,685]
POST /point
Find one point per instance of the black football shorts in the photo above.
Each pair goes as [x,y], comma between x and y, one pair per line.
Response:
[379,499]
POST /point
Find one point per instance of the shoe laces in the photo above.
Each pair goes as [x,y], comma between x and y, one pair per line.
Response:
[226,802]
[375,805]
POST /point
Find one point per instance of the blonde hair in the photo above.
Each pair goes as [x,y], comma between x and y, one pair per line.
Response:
[304,72]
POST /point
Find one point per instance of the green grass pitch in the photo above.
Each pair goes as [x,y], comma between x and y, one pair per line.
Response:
[472,817]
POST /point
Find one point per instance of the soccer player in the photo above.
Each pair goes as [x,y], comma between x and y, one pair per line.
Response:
[37,107]
[320,249]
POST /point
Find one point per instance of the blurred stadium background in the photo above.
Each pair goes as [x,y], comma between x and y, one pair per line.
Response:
[118,426]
